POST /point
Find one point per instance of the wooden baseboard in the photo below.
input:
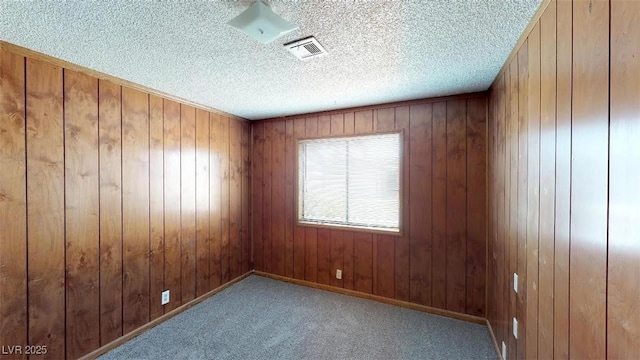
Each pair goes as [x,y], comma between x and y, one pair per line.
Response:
[405,304]
[155,322]
[494,340]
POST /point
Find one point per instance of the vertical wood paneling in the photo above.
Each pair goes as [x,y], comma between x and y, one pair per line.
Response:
[110,149]
[456,204]
[135,209]
[402,250]
[311,234]
[337,241]
[324,235]
[257,197]
[188,202]
[203,238]
[476,207]
[589,153]
[156,205]
[362,242]
[583,73]
[511,184]
[81,213]
[547,180]
[215,202]
[13,202]
[278,197]
[385,255]
[172,234]
[439,201]
[267,202]
[96,175]
[563,181]
[289,197]
[420,220]
[623,292]
[245,229]
[347,237]
[235,199]
[224,172]
[528,190]
[299,247]
[45,206]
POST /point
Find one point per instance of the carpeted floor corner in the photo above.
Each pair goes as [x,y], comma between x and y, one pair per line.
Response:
[261,318]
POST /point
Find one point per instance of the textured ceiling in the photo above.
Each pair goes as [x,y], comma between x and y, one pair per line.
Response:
[379,50]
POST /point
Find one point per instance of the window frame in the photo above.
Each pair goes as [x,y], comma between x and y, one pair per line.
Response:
[320,225]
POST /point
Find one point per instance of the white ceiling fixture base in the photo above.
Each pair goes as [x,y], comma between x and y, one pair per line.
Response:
[261,23]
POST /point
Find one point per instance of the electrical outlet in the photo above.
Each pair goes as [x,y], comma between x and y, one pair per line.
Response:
[338,274]
[165,298]
[504,351]
[515,282]
[515,328]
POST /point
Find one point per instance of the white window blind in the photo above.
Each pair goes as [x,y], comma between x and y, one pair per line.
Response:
[350,181]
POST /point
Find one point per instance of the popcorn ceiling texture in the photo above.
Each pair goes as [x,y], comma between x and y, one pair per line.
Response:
[379,51]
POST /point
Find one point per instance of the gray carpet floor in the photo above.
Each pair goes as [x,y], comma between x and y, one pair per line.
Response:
[261,318]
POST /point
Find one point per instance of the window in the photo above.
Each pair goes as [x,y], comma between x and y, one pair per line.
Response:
[350,181]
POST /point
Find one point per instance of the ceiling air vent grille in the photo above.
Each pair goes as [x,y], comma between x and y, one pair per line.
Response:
[305,49]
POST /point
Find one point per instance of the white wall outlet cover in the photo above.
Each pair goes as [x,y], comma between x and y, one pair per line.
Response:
[515,328]
[165,297]
[515,282]
[338,274]
[504,351]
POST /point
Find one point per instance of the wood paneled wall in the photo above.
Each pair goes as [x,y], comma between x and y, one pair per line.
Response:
[440,260]
[108,196]
[564,201]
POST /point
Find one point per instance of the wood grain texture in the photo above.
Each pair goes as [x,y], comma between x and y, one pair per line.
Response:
[324,235]
[235,199]
[337,236]
[135,209]
[456,204]
[257,194]
[45,207]
[476,207]
[267,201]
[225,204]
[347,237]
[547,180]
[511,203]
[95,172]
[245,171]
[187,203]
[363,242]
[532,194]
[299,247]
[110,150]
[439,201]
[623,290]
[563,180]
[411,267]
[289,198]
[589,153]
[384,268]
[402,250]
[81,213]
[420,192]
[278,198]
[172,233]
[203,238]
[13,201]
[311,234]
[215,201]
[156,206]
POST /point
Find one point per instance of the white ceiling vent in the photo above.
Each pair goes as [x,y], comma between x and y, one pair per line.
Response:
[305,49]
